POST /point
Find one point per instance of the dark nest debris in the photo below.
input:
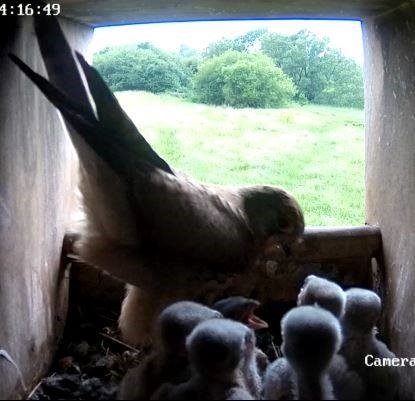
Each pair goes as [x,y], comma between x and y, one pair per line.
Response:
[91,360]
[90,363]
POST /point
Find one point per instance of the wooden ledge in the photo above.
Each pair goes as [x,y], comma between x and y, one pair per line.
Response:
[334,243]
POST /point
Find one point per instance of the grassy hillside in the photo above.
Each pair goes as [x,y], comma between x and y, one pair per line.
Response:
[315,152]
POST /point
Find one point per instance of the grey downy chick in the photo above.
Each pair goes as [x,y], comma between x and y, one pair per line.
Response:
[311,338]
[217,350]
[363,308]
[242,310]
[169,361]
[347,383]
[324,293]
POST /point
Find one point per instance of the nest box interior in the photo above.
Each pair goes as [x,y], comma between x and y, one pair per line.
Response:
[38,175]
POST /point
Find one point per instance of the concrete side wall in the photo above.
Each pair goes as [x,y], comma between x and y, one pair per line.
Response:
[37,165]
[390,167]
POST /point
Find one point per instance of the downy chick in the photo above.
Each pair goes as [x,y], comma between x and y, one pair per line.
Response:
[169,361]
[242,310]
[363,308]
[217,350]
[311,338]
[347,383]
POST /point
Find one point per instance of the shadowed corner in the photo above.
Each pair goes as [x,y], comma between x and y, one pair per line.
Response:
[9,29]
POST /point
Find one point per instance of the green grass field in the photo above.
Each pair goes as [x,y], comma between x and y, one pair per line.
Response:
[315,152]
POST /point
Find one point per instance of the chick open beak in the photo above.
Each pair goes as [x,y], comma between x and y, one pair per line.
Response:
[253,321]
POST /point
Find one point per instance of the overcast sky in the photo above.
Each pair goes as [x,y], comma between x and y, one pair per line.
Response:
[344,35]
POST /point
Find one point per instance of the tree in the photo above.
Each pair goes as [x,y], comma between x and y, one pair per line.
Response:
[190,58]
[343,82]
[300,57]
[141,67]
[242,80]
[241,43]
[321,74]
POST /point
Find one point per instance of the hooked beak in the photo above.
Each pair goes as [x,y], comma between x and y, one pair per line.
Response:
[277,246]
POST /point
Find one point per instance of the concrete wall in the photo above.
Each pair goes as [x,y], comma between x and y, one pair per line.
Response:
[390,167]
[36,186]
[118,12]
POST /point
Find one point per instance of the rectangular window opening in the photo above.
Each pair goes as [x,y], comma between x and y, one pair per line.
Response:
[245,102]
